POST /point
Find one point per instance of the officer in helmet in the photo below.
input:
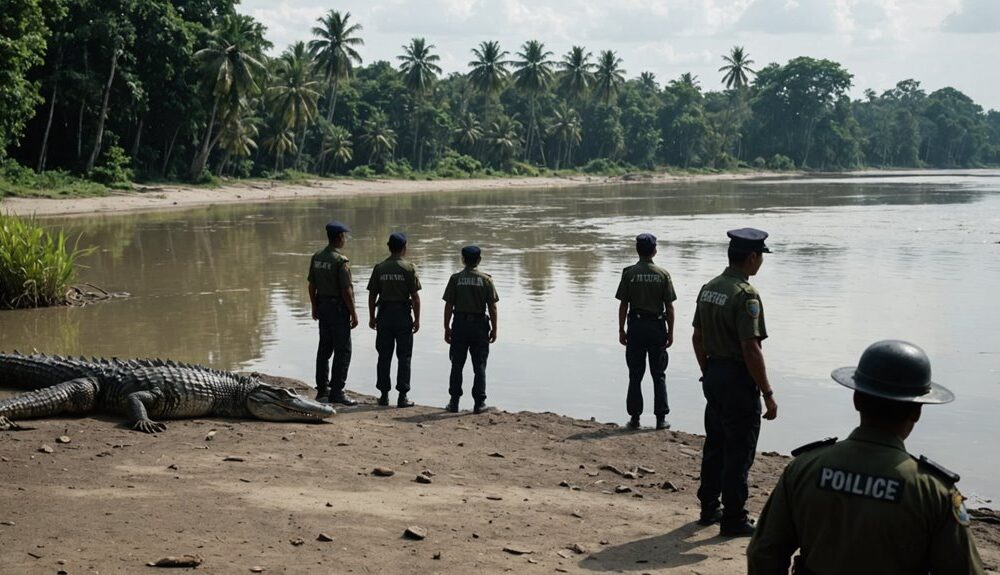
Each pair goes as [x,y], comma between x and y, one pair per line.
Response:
[865,505]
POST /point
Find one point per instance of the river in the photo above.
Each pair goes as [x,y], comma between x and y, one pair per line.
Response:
[857,258]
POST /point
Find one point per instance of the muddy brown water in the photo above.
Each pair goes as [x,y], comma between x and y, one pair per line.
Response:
[913,256]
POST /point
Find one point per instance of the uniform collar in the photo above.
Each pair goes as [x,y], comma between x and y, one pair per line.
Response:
[470,268]
[646,259]
[872,435]
[394,257]
[736,273]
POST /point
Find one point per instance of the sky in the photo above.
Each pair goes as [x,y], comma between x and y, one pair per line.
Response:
[937,42]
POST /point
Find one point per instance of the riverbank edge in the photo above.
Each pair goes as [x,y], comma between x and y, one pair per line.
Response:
[160,197]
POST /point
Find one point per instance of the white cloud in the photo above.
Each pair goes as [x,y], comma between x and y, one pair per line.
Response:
[791,17]
[974,16]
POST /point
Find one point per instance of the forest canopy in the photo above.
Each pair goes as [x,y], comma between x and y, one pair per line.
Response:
[115,90]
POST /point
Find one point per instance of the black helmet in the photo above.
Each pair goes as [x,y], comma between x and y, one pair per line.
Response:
[896,370]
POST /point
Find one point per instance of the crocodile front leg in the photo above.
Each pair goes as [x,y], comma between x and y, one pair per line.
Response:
[69,397]
[137,412]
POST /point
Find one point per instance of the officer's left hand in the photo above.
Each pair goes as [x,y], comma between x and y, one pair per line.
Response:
[354,320]
[315,314]
[493,335]
[670,339]
[416,326]
[372,324]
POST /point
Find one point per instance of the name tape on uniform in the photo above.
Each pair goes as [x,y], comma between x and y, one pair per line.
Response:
[861,484]
[470,281]
[323,265]
[714,297]
[392,278]
[647,279]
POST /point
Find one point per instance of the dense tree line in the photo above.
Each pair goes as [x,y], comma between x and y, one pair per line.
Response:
[185,89]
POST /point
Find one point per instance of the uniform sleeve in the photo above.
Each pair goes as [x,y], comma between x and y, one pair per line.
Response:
[414,284]
[750,317]
[449,291]
[622,294]
[696,322]
[669,295]
[344,275]
[774,541]
[311,278]
[490,291]
[373,284]
[952,551]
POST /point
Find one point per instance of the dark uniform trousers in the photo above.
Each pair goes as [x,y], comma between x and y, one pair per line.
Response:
[470,335]
[394,332]
[732,425]
[334,339]
[647,338]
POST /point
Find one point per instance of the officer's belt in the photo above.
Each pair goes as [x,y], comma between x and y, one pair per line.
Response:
[398,303]
[329,297]
[645,315]
[467,315]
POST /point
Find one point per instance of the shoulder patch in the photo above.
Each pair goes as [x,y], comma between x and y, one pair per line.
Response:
[753,308]
[958,508]
[938,470]
[814,445]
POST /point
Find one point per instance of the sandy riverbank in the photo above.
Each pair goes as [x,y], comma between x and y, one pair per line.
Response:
[160,197]
[509,492]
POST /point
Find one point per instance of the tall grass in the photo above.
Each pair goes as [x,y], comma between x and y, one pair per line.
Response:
[37,267]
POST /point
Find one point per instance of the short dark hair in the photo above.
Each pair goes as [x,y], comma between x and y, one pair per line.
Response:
[332,235]
[738,256]
[645,249]
[471,260]
[882,409]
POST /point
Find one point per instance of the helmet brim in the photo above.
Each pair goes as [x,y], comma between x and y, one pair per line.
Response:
[936,395]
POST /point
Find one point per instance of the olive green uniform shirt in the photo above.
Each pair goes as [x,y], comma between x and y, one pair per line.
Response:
[394,280]
[864,506]
[469,291]
[646,287]
[330,272]
[729,312]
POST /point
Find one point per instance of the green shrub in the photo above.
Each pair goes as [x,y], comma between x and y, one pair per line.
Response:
[36,266]
[454,165]
[18,180]
[114,170]
[364,171]
[524,169]
[398,169]
[604,166]
[759,163]
[780,163]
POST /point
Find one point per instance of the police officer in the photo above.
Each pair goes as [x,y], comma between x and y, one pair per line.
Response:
[728,330]
[332,296]
[647,302]
[394,289]
[469,294]
[864,505]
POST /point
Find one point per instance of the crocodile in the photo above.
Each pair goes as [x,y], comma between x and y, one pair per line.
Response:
[141,390]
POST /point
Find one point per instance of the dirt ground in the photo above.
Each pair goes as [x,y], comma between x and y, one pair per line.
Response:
[508,492]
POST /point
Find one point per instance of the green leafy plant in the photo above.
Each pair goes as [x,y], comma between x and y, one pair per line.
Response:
[37,266]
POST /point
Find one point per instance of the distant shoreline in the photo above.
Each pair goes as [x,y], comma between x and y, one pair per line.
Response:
[155,197]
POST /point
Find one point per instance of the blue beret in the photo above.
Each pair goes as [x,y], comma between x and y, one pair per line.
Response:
[645,240]
[335,227]
[397,240]
[469,252]
[748,239]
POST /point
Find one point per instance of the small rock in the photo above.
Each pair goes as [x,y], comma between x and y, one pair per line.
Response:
[638,495]
[46,449]
[63,439]
[4,459]
[564,553]
[298,541]
[383,472]
[210,435]
[630,475]
[497,454]
[613,469]
[172,466]
[623,489]
[669,486]
[578,549]
[604,542]
[532,561]
[414,532]
[245,480]
[7,523]
[475,536]
[564,483]
[328,504]
[593,473]
[577,514]
[518,550]
[646,470]
[234,458]
[256,569]
[437,556]
[427,473]
[422,479]
[494,498]
[324,538]
[182,561]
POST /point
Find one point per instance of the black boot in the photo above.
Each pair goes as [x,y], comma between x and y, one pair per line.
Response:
[661,422]
[452,406]
[322,394]
[403,401]
[710,516]
[740,528]
[341,398]
[383,399]
[633,423]
[480,407]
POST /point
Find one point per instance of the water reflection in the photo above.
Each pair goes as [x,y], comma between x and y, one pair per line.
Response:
[855,260]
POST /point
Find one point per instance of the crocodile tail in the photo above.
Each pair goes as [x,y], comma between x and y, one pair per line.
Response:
[76,396]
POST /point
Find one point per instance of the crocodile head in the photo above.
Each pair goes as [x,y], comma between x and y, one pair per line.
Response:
[272,403]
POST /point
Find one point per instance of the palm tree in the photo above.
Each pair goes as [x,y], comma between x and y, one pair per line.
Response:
[294,94]
[335,52]
[648,81]
[378,139]
[533,75]
[576,74]
[420,69]
[609,76]
[280,142]
[239,137]
[338,145]
[489,72]
[737,68]
[228,64]
[688,79]
[467,131]
[504,140]
[567,130]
